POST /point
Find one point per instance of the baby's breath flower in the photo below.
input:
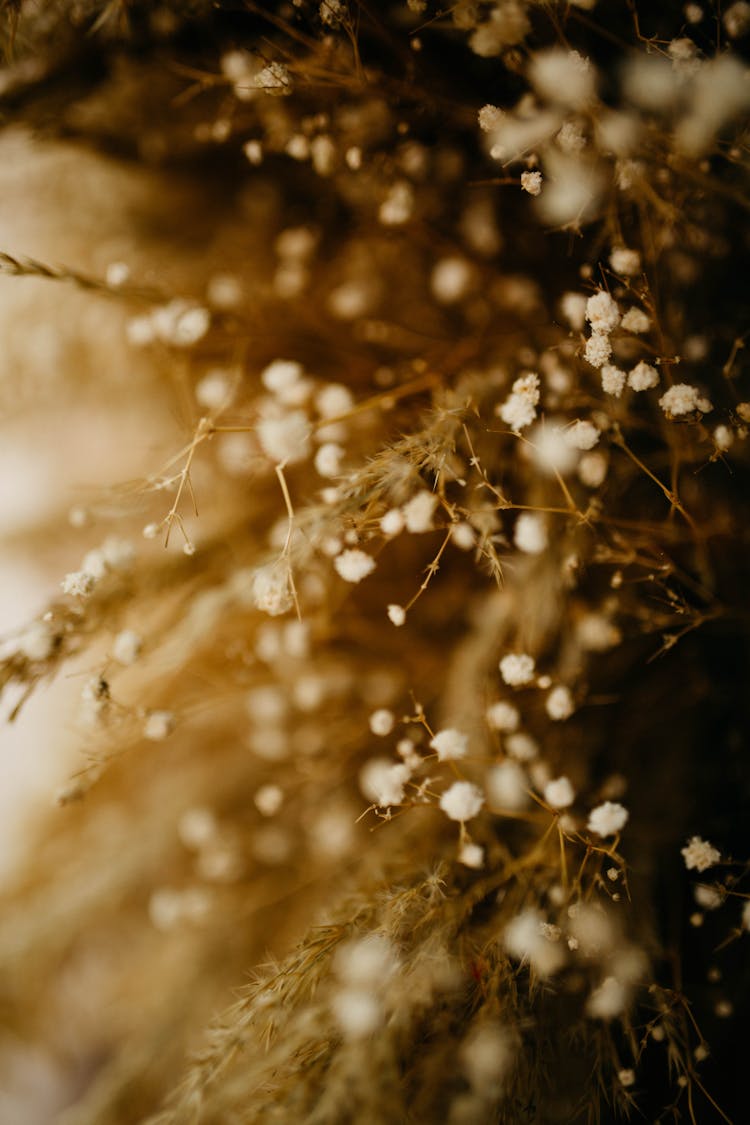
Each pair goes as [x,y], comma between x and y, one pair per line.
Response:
[625,262]
[127,647]
[530,534]
[681,399]
[354,565]
[636,321]
[521,746]
[285,439]
[517,669]
[598,349]
[158,726]
[396,614]
[643,377]
[268,799]
[573,308]
[328,459]
[608,818]
[613,380]
[418,511]
[507,786]
[582,435]
[502,716]
[489,118]
[78,583]
[531,182]
[699,855]
[462,801]
[393,522]
[608,1000]
[519,409]
[471,855]
[602,312]
[559,793]
[449,744]
[559,703]
[382,721]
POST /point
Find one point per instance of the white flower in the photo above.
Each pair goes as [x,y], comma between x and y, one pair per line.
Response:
[613,380]
[418,512]
[521,746]
[449,744]
[608,818]
[559,793]
[382,781]
[636,320]
[280,375]
[602,312]
[573,308]
[272,591]
[592,469]
[285,440]
[354,565]
[381,722]
[531,182]
[489,118]
[127,647]
[462,801]
[519,409]
[398,205]
[396,614]
[625,262]
[643,377]
[699,855]
[507,786]
[328,459]
[268,799]
[563,77]
[159,725]
[681,399]
[598,349]
[582,435]
[393,522]
[608,1000]
[78,583]
[517,669]
[451,279]
[502,716]
[529,937]
[471,855]
[559,703]
[530,534]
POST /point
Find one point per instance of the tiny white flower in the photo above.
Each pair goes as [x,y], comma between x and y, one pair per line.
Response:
[559,793]
[396,614]
[582,435]
[354,565]
[127,647]
[462,801]
[643,377]
[602,312]
[159,725]
[502,716]
[449,744]
[699,855]
[531,182]
[517,669]
[559,703]
[608,818]
[382,721]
